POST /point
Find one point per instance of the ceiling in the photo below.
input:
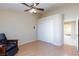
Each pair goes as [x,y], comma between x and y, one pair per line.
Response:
[21,7]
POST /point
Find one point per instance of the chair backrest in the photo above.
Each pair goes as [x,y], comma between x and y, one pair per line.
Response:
[3,38]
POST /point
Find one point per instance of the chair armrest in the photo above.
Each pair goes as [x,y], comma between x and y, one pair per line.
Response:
[13,41]
[1,45]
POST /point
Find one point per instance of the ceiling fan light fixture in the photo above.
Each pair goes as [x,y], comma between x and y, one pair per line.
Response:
[33,8]
[33,11]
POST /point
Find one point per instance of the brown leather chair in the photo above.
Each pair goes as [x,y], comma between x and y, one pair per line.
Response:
[7,47]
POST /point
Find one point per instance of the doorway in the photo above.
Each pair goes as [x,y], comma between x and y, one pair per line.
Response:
[71,32]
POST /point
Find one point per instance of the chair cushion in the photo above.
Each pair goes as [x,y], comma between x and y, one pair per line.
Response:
[12,52]
[10,46]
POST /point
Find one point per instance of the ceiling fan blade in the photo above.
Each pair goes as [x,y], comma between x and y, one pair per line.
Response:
[27,10]
[26,4]
[34,4]
[37,4]
[40,9]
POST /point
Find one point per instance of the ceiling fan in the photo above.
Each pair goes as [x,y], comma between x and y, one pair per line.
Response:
[33,8]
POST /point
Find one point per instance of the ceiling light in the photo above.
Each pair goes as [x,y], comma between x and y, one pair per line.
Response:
[33,11]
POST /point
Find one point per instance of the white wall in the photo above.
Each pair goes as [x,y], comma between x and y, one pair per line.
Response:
[18,25]
[70,11]
[50,29]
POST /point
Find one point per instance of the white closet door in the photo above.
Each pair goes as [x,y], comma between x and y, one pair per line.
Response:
[50,29]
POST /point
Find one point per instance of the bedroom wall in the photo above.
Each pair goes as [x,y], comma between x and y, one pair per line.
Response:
[18,25]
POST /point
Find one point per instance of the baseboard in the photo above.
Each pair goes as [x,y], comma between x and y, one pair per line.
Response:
[25,42]
[52,43]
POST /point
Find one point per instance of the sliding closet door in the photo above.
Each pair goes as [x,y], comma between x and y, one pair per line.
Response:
[50,29]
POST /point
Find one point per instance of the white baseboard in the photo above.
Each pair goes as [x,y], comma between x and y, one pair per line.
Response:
[52,43]
[22,43]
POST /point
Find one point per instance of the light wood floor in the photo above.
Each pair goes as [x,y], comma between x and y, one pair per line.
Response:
[40,48]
